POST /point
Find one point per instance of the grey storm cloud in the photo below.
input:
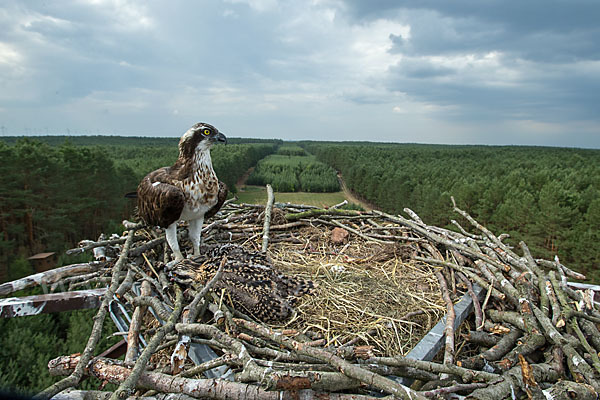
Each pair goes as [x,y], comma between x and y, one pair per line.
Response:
[421,69]
[549,48]
[559,31]
[440,72]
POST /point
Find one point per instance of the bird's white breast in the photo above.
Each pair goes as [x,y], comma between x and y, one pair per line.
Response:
[201,188]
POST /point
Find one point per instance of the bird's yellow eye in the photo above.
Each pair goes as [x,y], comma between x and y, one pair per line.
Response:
[206,132]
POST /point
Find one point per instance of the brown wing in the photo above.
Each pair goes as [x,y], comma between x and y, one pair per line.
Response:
[221,196]
[159,202]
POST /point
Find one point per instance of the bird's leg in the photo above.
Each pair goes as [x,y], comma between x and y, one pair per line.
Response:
[171,234]
[195,230]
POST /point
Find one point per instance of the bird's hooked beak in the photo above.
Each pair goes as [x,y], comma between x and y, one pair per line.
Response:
[221,138]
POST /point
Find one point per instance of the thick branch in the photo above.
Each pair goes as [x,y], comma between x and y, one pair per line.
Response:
[449,328]
[267,223]
[48,277]
[111,371]
[350,370]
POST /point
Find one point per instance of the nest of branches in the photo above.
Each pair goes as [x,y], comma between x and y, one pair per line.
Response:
[380,289]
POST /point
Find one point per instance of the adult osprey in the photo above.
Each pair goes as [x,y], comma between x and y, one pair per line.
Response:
[187,191]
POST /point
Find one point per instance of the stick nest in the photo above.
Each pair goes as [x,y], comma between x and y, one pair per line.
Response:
[382,282]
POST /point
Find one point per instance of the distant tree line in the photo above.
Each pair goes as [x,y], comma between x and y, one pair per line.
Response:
[549,197]
[230,161]
[290,173]
[136,141]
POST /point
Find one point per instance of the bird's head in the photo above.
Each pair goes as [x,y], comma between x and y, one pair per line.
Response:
[200,136]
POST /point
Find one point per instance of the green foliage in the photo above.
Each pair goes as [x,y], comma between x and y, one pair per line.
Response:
[26,346]
[289,150]
[55,196]
[28,343]
[545,196]
[232,161]
[352,206]
[585,240]
[288,173]
[19,268]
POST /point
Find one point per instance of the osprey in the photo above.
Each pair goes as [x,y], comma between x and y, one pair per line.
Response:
[253,285]
[187,191]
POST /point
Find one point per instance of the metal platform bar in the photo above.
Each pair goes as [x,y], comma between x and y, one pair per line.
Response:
[49,303]
[432,343]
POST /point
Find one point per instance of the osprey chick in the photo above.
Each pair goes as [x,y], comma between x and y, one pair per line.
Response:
[253,285]
[187,191]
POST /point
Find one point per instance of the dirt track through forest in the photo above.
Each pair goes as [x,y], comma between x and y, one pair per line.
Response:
[242,181]
[351,197]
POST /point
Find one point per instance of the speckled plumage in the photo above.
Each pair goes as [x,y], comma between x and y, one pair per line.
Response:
[254,286]
[188,190]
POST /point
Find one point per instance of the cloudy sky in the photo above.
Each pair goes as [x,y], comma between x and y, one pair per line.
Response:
[465,71]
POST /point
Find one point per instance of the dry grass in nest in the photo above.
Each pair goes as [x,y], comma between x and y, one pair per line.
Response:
[364,292]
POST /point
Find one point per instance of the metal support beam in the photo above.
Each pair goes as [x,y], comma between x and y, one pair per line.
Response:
[48,303]
[116,350]
[586,286]
[431,343]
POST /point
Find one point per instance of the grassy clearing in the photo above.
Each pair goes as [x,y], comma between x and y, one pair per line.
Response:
[258,195]
[285,160]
